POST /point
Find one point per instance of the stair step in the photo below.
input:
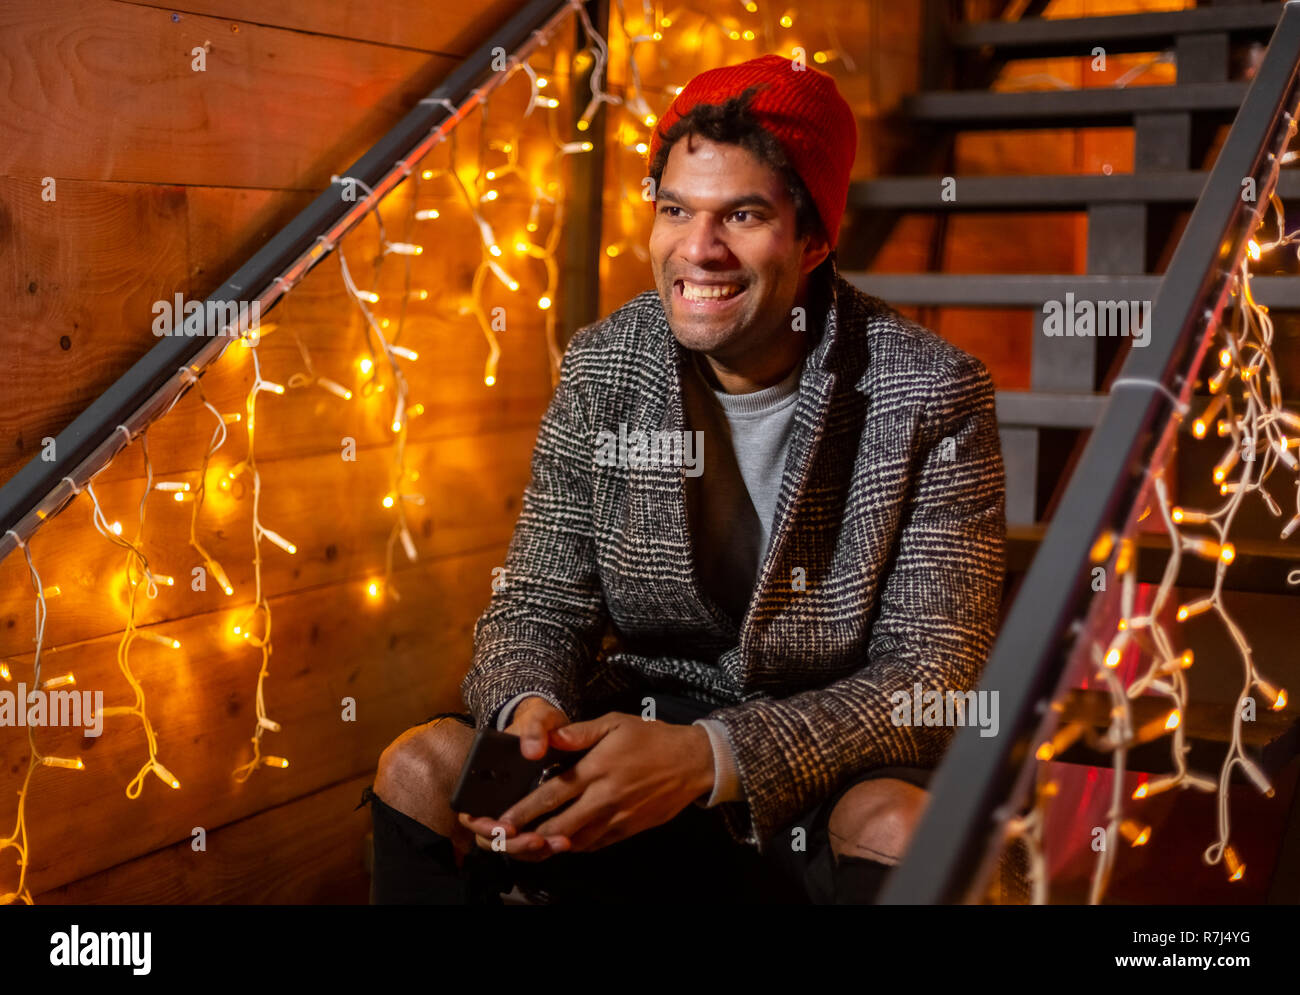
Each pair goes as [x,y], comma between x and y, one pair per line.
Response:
[1150,32]
[1039,193]
[1260,566]
[1091,107]
[1010,290]
[1208,729]
[1049,409]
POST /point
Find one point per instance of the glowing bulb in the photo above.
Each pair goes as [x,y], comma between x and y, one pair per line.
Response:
[491,174]
[1173,720]
[1198,429]
[170,485]
[489,380]
[406,248]
[1228,552]
[494,249]
[1113,657]
[541,81]
[336,389]
[1225,357]
[734,35]
[63,762]
[405,353]
[427,174]
[280,541]
[1235,867]
[583,125]
[1252,247]
[650,120]
[543,303]
[786,20]
[819,57]
[388,501]
[612,251]
[491,195]
[642,148]
[657,36]
[1135,834]
[365,365]
[665,22]
[429,215]
[1141,791]
[751,7]
[521,247]
[275,762]
[116,528]
[748,36]
[58,682]
[368,296]
[373,589]
[165,775]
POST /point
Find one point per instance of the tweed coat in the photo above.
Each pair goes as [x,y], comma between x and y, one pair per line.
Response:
[884,569]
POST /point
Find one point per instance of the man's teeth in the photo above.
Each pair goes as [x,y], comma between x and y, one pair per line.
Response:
[697,292]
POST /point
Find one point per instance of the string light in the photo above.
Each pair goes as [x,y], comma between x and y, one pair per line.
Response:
[1255,420]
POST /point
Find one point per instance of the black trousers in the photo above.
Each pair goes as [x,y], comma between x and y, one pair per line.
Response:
[692,857]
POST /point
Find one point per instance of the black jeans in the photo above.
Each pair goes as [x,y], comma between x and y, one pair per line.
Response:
[691,857]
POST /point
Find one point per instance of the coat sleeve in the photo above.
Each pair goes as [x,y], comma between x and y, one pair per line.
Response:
[937,618]
[548,615]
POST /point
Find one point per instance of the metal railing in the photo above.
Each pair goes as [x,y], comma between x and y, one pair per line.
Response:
[982,781]
[153,384]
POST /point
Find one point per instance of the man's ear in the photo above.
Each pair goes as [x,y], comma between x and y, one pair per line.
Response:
[814,254]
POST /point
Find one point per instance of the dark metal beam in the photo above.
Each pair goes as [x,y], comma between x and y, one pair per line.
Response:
[983,780]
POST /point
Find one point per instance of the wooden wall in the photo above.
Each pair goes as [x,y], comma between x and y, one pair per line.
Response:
[166,179]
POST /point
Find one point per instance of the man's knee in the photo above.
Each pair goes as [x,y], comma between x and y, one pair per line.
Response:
[418,770]
[876,819]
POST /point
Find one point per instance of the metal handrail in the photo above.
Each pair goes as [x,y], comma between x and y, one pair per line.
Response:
[983,780]
[156,381]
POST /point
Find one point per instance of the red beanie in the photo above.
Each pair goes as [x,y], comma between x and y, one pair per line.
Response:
[802,108]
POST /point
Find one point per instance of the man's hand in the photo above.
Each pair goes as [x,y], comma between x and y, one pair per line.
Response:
[533,721]
[636,775]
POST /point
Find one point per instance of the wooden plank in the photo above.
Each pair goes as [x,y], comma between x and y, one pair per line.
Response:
[80,275]
[447,29]
[400,665]
[96,296]
[304,852]
[472,486]
[131,65]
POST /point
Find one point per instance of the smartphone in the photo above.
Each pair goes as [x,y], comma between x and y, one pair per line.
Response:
[496,774]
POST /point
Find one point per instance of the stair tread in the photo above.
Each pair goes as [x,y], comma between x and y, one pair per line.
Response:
[1068,108]
[1015,290]
[1148,31]
[1260,565]
[1061,192]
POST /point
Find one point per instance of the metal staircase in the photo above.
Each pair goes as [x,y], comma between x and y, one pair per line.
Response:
[1062,496]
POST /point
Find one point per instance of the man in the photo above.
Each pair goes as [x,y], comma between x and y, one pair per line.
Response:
[726,644]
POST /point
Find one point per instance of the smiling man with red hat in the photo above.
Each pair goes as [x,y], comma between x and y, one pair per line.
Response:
[807,524]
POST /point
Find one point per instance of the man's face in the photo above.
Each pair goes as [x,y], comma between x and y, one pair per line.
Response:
[726,261]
